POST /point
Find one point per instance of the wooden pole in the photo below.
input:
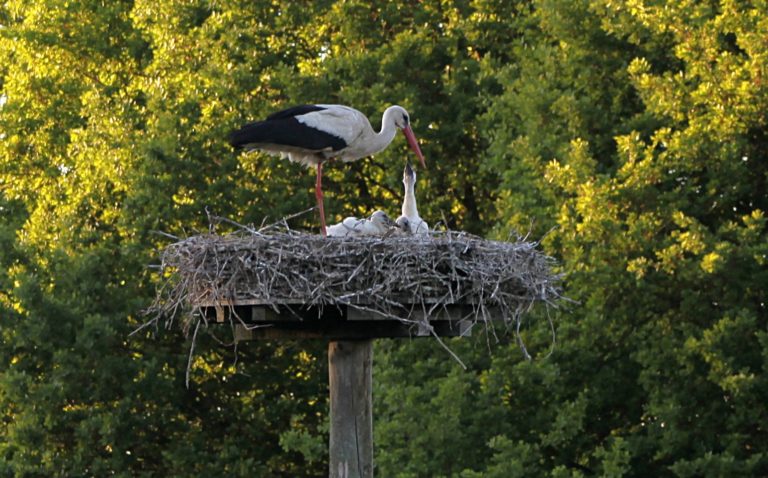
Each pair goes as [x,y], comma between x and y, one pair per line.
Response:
[349,379]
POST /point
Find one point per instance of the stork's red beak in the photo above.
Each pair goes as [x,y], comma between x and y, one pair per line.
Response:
[408,132]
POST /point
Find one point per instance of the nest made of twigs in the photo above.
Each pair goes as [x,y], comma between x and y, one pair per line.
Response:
[387,275]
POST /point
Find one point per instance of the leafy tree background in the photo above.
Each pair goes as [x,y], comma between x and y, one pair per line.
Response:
[635,129]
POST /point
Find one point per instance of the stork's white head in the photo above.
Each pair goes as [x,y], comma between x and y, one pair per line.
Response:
[399,117]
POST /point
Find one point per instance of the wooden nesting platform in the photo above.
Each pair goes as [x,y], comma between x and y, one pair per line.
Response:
[277,283]
[260,321]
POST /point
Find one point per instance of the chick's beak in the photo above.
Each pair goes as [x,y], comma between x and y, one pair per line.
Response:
[408,170]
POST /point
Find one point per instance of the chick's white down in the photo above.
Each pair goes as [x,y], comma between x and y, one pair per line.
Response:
[378,224]
[410,222]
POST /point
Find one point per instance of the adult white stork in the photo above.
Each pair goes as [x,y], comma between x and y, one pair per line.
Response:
[379,224]
[312,134]
[410,222]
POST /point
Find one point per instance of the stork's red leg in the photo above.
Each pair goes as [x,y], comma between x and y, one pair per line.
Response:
[319,196]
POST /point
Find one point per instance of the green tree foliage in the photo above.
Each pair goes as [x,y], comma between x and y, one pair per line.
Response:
[640,135]
[635,129]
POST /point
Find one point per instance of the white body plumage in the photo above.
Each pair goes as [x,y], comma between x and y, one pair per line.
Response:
[310,134]
[379,224]
[410,222]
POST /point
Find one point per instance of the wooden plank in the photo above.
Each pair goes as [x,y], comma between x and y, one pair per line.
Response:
[263,313]
[345,330]
[350,446]
[237,302]
[416,313]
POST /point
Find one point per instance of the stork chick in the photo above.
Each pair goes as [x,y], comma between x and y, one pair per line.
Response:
[378,224]
[410,222]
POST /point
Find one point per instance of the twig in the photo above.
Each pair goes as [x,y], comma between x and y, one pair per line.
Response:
[192,351]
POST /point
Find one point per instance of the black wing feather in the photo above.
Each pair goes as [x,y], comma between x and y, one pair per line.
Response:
[294,111]
[284,131]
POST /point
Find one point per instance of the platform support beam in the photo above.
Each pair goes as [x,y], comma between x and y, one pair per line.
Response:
[351,435]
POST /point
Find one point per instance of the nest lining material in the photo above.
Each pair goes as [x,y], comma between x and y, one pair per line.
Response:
[387,275]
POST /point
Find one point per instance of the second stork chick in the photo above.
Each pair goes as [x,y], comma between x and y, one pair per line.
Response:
[410,222]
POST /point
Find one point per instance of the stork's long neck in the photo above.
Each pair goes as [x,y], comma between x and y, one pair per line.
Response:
[409,203]
[382,139]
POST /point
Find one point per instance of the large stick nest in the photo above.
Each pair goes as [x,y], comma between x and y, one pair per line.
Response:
[388,275]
